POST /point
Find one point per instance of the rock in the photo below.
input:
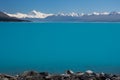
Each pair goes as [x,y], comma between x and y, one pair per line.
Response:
[53,77]
[79,73]
[7,77]
[65,75]
[116,78]
[107,79]
[89,72]
[102,74]
[30,73]
[69,72]
[4,79]
[44,73]
[70,75]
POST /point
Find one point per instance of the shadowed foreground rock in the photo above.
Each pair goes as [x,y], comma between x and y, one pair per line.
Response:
[69,75]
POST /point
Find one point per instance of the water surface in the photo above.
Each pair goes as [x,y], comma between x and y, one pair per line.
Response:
[56,47]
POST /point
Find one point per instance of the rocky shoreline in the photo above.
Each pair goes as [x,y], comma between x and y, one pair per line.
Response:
[69,75]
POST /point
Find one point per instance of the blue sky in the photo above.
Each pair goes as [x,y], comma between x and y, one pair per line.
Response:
[55,6]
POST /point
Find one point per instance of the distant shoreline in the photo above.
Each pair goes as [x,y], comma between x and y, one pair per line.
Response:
[51,22]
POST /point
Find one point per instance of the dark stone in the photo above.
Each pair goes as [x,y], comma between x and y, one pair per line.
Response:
[44,73]
[69,72]
[7,77]
[33,75]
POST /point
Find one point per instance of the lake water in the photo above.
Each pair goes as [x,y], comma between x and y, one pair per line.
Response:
[56,47]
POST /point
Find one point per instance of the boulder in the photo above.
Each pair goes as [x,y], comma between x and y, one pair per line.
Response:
[7,77]
[89,72]
[70,75]
[30,73]
[69,72]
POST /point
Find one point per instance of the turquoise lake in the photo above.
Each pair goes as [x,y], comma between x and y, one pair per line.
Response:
[56,47]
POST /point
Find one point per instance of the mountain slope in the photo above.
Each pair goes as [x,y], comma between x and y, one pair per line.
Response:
[5,18]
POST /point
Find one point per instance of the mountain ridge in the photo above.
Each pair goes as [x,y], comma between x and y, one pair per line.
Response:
[6,18]
[37,16]
[94,17]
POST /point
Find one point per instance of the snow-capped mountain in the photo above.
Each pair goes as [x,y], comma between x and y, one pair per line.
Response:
[6,18]
[79,17]
[32,14]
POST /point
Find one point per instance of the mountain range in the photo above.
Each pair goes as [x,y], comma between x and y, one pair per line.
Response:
[36,16]
[6,18]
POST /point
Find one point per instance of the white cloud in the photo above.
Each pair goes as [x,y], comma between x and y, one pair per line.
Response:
[33,14]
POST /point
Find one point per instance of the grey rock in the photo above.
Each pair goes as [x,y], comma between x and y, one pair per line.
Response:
[7,77]
[70,75]
[69,72]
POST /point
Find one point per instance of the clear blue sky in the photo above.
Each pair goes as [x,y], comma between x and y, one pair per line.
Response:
[55,6]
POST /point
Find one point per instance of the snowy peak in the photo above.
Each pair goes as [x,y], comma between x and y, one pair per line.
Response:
[106,13]
[73,14]
[32,14]
[80,17]
[102,13]
[115,13]
[37,14]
